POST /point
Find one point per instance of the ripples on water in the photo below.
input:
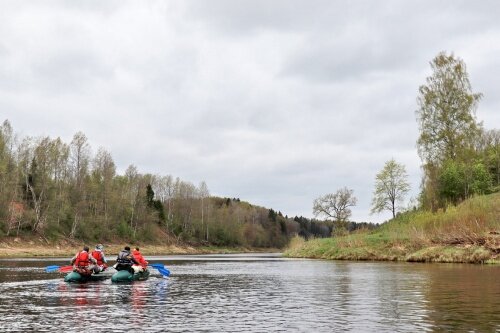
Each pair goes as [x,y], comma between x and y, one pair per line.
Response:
[256,294]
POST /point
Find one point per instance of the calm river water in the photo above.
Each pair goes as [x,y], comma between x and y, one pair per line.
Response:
[255,293]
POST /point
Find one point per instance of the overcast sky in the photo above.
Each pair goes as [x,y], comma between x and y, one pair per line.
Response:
[273,102]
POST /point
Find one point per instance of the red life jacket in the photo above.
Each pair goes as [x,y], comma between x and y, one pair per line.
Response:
[139,258]
[98,256]
[82,259]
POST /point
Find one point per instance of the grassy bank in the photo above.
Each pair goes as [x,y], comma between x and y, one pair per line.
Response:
[17,247]
[468,233]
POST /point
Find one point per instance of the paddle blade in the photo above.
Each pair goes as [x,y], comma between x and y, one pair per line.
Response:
[157,265]
[66,269]
[53,268]
[164,271]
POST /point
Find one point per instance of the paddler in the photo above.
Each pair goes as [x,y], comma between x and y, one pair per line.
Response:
[83,263]
[98,254]
[125,260]
[140,259]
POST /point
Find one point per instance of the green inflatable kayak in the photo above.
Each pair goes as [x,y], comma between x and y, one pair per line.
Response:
[79,278]
[126,276]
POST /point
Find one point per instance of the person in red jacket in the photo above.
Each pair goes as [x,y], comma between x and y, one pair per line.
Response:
[98,255]
[140,259]
[83,262]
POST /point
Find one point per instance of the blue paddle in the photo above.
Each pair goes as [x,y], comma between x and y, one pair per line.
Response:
[163,271]
[54,268]
[161,268]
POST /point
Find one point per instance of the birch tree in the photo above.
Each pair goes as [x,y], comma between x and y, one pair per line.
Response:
[391,187]
[447,123]
[446,114]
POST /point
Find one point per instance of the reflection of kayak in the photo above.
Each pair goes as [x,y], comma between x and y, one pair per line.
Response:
[126,276]
[77,277]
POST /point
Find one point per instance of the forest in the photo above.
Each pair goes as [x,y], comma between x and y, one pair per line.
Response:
[57,190]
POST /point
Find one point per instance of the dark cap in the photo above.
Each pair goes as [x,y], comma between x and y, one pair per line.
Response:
[127,248]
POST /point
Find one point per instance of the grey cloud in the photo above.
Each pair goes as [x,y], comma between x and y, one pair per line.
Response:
[247,17]
[93,6]
[69,72]
[382,38]
[3,50]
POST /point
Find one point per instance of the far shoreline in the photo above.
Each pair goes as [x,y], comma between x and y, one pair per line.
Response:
[17,247]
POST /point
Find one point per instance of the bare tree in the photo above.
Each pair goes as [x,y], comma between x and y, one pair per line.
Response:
[164,190]
[204,193]
[104,171]
[80,156]
[80,152]
[132,176]
[59,157]
[186,192]
[335,205]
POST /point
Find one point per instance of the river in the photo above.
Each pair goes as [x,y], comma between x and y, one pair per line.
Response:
[255,293]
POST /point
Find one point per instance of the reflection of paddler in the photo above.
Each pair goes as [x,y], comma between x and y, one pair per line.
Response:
[79,294]
[140,259]
[92,295]
[138,298]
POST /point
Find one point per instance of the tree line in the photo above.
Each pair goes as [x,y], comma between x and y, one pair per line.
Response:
[57,189]
[63,190]
[460,158]
[313,228]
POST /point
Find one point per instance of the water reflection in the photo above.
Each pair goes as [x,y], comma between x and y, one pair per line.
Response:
[464,297]
[260,294]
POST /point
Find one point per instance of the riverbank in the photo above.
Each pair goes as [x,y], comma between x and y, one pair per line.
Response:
[355,248]
[17,247]
[468,233]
